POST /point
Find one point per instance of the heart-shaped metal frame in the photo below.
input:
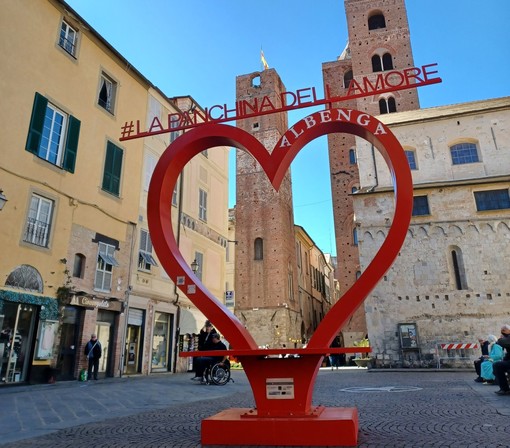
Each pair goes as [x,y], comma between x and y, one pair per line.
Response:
[276,164]
[261,369]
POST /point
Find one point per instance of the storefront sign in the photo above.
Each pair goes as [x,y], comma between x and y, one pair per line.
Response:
[373,84]
[93,302]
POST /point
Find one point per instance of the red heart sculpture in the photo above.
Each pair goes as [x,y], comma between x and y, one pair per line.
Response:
[276,164]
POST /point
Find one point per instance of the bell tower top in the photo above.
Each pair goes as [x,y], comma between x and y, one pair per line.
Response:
[379,41]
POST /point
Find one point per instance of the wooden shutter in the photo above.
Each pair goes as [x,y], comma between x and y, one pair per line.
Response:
[112,169]
[73,133]
[36,123]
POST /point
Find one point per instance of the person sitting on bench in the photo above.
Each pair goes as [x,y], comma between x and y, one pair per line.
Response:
[500,368]
[203,362]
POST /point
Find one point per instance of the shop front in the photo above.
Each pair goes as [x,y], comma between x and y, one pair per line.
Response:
[17,324]
[100,316]
[162,342]
[134,337]
[28,328]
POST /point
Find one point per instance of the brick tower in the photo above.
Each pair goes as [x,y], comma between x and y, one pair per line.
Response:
[266,271]
[378,41]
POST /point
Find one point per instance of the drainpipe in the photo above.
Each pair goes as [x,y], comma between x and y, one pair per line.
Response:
[176,291]
[126,301]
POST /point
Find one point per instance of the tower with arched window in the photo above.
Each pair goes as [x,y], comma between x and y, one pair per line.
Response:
[378,41]
[266,272]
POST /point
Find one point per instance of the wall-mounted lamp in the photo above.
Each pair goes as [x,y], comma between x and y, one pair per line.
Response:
[194,266]
[3,199]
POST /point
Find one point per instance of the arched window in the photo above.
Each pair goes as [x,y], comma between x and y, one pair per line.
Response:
[457,265]
[355,236]
[464,153]
[25,277]
[376,63]
[347,79]
[376,21]
[352,156]
[259,249]
[79,265]
[387,105]
[387,61]
[392,105]
[380,64]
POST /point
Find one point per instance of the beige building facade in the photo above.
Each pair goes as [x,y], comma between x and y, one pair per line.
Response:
[72,188]
[449,283]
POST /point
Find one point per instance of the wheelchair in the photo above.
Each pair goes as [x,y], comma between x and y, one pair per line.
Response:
[218,374]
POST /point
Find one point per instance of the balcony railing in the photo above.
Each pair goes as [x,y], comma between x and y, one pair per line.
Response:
[36,232]
[67,45]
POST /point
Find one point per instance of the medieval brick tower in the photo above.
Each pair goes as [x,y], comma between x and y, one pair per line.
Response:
[378,41]
[266,271]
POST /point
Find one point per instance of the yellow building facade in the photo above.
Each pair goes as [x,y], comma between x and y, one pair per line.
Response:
[77,258]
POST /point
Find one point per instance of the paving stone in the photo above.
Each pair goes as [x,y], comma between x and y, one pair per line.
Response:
[415,409]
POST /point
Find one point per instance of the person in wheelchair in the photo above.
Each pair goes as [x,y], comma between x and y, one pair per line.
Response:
[206,363]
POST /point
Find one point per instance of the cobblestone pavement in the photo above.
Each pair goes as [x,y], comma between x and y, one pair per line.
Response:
[396,409]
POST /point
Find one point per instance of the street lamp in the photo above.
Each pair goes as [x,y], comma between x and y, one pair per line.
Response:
[194,266]
[3,199]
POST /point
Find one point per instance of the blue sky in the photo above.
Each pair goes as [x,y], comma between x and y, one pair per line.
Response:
[198,47]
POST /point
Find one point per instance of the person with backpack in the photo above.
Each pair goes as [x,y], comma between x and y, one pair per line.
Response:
[93,353]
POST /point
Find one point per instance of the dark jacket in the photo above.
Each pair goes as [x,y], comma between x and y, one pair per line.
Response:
[218,346]
[204,339]
[504,341]
[95,346]
[485,348]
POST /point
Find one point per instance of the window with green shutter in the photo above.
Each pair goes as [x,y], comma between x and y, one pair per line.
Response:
[112,169]
[53,135]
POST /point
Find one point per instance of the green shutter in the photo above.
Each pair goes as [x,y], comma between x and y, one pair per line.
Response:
[73,133]
[112,169]
[36,123]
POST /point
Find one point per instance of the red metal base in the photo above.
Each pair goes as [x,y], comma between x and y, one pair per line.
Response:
[324,427]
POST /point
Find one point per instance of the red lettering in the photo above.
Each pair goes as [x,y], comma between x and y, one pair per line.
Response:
[301,96]
[314,95]
[229,110]
[369,87]
[186,119]
[425,71]
[283,98]
[198,114]
[254,108]
[266,103]
[391,77]
[353,86]
[209,112]
[412,74]
[306,97]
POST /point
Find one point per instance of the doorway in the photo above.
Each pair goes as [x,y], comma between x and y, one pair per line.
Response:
[134,338]
[103,336]
[161,342]
[68,344]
